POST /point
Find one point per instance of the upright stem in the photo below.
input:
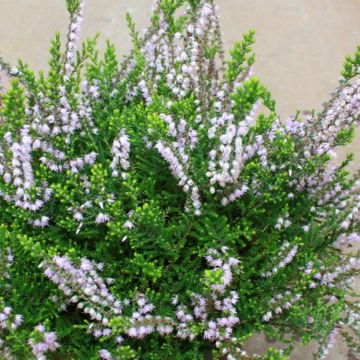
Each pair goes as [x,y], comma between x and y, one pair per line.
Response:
[208,355]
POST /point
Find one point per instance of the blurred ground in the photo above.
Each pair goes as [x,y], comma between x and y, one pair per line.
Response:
[301,45]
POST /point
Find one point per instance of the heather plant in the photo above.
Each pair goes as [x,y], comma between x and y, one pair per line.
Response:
[155,207]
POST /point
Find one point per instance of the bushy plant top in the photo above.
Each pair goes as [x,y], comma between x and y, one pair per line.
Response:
[155,207]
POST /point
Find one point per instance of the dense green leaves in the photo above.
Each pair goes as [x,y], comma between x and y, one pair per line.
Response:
[352,65]
[151,240]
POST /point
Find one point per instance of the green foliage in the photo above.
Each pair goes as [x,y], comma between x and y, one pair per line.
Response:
[274,354]
[72,6]
[242,57]
[13,108]
[153,242]
[352,65]
[345,136]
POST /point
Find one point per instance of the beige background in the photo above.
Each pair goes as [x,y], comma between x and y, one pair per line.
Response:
[301,45]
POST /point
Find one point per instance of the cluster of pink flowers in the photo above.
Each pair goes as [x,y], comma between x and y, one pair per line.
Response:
[283,222]
[205,27]
[347,239]
[319,181]
[65,120]
[73,37]
[50,120]
[160,56]
[328,278]
[102,218]
[221,261]
[256,148]
[7,320]
[220,322]
[354,316]
[145,91]
[47,343]
[284,260]
[20,173]
[47,123]
[325,349]
[236,194]
[185,69]
[225,168]
[105,354]
[354,215]
[343,112]
[79,211]
[120,151]
[157,55]
[226,159]
[176,153]
[178,167]
[6,260]
[332,276]
[280,303]
[141,321]
[185,136]
[188,74]
[8,323]
[84,287]
[323,186]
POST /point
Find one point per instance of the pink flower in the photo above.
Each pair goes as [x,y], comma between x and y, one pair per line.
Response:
[132,332]
[102,218]
[104,354]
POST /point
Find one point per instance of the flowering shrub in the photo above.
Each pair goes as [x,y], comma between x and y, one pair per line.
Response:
[157,208]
